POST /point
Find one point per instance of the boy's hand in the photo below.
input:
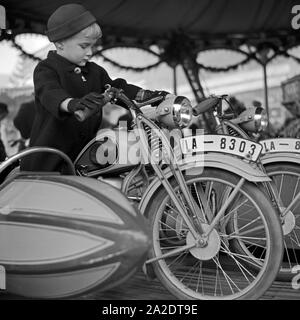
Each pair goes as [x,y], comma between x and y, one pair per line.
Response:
[75,105]
[93,101]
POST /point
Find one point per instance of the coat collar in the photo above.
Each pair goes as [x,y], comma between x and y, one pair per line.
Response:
[66,64]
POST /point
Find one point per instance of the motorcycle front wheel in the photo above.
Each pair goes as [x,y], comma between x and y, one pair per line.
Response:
[216,271]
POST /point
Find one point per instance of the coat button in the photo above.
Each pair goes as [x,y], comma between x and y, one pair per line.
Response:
[77,70]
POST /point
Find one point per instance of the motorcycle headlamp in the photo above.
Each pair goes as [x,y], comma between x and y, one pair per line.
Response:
[261,119]
[254,119]
[175,112]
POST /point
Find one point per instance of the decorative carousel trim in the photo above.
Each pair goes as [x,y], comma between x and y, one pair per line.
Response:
[166,55]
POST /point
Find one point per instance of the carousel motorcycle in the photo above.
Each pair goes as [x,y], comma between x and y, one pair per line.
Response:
[183,198]
[280,159]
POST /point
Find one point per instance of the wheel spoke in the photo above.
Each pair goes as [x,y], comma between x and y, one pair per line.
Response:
[202,200]
[168,227]
[254,244]
[227,277]
[172,252]
[294,240]
[190,272]
[180,257]
[200,278]
[280,187]
[293,249]
[230,237]
[227,216]
[240,266]
[249,259]
[295,189]
[249,230]
[287,254]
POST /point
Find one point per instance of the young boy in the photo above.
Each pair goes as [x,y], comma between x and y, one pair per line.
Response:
[66,82]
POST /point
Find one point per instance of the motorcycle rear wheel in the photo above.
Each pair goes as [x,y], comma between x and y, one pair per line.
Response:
[220,274]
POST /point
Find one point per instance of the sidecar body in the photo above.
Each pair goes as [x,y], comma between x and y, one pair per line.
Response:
[62,235]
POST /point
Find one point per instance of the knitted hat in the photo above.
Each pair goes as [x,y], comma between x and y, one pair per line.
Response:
[68,20]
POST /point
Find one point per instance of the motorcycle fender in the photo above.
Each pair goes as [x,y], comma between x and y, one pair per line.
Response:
[281,157]
[211,160]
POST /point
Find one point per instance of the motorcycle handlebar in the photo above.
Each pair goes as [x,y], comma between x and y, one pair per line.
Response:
[205,105]
[114,94]
[149,101]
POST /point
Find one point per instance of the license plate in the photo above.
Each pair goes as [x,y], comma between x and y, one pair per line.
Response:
[280,145]
[220,143]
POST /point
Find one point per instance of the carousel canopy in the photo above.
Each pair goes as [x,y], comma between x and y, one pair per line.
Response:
[208,23]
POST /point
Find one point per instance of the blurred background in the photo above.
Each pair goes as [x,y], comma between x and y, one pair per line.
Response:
[245,82]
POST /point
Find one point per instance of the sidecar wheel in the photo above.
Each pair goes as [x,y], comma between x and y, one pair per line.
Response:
[217,271]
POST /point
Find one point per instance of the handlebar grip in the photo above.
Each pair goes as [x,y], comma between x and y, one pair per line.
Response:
[205,105]
[81,115]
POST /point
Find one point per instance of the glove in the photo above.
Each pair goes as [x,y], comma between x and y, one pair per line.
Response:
[93,101]
[144,95]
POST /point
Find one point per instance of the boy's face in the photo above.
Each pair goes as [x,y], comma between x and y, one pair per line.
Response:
[77,49]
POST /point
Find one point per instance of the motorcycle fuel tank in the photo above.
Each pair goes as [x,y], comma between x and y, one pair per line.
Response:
[62,236]
[111,151]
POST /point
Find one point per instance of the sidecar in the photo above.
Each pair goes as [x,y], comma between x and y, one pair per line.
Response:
[64,235]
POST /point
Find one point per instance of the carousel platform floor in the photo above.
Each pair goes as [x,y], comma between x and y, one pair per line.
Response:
[139,287]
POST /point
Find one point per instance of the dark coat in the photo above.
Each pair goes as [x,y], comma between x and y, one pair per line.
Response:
[54,81]
[3,114]
[24,119]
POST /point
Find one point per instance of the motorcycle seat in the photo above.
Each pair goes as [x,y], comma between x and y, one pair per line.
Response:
[205,105]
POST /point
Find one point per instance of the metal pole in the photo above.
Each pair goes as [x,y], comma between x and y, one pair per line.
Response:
[264,65]
[262,56]
[174,80]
